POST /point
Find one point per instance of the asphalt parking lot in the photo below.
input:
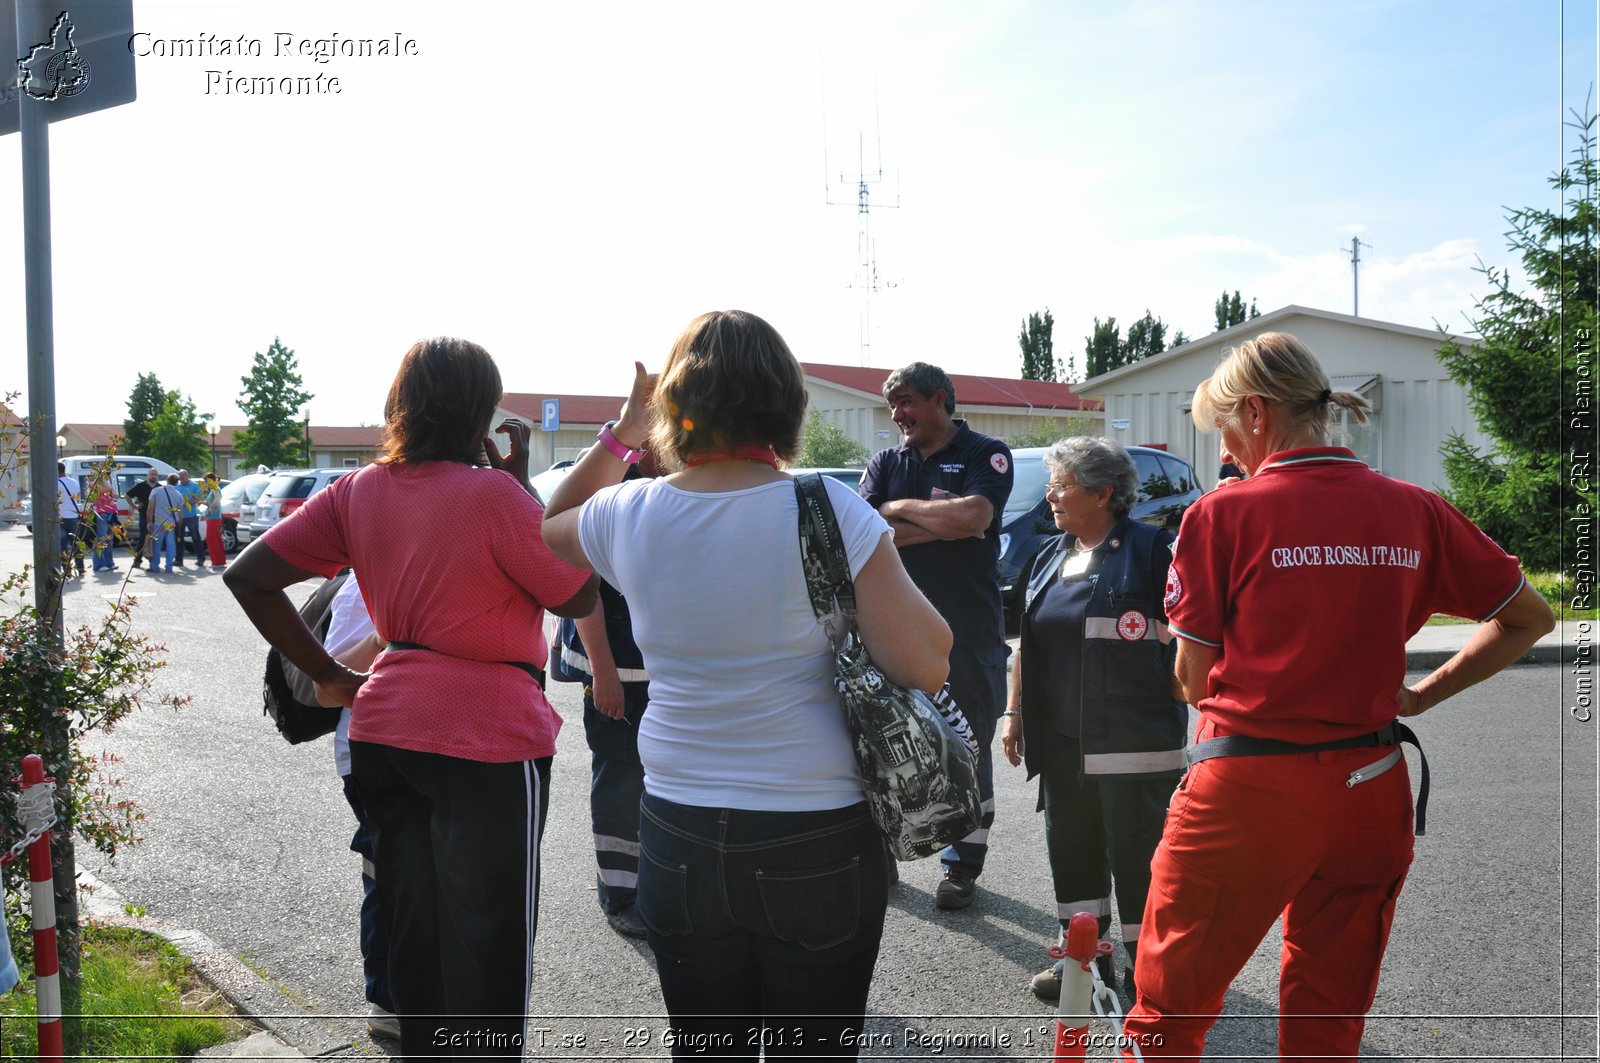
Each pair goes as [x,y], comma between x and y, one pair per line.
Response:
[1493,953]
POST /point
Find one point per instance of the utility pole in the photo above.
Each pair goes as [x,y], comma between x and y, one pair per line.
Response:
[1356,244]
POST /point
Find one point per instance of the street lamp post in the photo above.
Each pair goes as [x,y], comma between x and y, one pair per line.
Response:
[305,436]
[211,426]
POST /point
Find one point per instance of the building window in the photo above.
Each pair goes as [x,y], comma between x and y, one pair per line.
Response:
[352,463]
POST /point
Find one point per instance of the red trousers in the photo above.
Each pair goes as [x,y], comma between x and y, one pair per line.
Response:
[219,556]
[1248,838]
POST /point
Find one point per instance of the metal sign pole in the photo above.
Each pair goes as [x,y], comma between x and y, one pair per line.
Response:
[47,567]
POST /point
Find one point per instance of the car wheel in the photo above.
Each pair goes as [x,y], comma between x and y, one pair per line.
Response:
[230,537]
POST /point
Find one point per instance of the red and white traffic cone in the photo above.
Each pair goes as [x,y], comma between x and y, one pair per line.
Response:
[1077,986]
[46,965]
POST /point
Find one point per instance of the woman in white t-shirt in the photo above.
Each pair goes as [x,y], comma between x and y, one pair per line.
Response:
[762,879]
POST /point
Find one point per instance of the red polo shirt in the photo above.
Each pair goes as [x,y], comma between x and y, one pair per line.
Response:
[1310,576]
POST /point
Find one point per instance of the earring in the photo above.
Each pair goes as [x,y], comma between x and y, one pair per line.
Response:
[1255,431]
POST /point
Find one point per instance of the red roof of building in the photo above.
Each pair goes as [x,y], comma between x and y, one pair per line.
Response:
[575,409]
[970,390]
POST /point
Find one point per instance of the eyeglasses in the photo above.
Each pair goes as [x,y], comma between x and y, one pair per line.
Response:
[1055,490]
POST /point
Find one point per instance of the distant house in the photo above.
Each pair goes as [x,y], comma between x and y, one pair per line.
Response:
[1395,367]
[851,398]
[579,416]
[331,446]
[13,463]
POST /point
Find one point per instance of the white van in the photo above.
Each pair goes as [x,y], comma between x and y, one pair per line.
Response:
[85,465]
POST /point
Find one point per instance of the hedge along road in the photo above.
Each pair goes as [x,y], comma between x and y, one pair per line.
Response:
[247,841]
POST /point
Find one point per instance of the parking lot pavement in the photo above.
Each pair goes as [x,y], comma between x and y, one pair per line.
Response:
[247,838]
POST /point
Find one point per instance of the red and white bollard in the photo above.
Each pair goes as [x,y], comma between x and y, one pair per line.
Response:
[1077,986]
[46,965]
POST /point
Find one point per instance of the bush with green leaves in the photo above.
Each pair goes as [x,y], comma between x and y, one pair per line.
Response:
[1520,374]
[824,445]
[1042,433]
[53,700]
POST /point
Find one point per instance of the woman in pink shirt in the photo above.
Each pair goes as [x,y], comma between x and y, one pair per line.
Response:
[450,732]
[105,515]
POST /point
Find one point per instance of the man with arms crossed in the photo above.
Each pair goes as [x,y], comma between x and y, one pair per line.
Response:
[942,490]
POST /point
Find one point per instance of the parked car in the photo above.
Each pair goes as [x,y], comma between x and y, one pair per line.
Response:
[1167,487]
[286,492]
[239,498]
[850,477]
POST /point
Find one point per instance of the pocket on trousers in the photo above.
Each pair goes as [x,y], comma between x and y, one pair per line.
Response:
[813,909]
[663,895]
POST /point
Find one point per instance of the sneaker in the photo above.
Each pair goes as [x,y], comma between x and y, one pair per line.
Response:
[383,1022]
[1046,985]
[627,922]
[955,891]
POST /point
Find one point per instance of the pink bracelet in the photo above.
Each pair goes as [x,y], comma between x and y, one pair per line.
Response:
[608,439]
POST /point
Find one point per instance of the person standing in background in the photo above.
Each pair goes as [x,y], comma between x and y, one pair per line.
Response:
[942,490]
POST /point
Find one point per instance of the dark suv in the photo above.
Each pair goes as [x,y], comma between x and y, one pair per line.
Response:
[1167,487]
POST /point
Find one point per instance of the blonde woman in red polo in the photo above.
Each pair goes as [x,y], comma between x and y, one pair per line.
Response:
[1297,800]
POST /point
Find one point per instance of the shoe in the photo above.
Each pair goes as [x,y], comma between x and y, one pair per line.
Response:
[627,922]
[955,891]
[383,1022]
[1046,985]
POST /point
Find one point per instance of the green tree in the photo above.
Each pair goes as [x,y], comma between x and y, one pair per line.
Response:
[1102,351]
[144,403]
[1230,311]
[1038,347]
[272,398]
[178,433]
[1146,336]
[1518,377]
[824,445]
[1042,433]
[1179,339]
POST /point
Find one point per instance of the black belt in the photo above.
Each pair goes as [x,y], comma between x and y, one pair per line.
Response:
[532,669]
[1244,746]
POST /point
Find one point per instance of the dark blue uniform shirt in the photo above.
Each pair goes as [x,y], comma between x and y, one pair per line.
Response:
[958,576]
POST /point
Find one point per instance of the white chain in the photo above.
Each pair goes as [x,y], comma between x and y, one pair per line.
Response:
[1105,1005]
[34,805]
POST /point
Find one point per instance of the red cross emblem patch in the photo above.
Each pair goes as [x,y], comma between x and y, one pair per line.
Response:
[999,462]
[1132,625]
[1174,589]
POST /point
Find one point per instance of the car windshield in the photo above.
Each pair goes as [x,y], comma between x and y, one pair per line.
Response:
[1027,487]
[292,485]
[246,490]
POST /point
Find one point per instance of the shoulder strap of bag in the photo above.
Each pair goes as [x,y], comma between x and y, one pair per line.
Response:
[822,551]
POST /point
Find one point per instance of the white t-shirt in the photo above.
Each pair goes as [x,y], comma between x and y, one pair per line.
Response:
[348,625]
[743,712]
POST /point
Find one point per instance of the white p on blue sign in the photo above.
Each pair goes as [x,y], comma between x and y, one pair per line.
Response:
[550,418]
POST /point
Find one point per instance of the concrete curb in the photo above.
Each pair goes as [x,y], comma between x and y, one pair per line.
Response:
[291,1033]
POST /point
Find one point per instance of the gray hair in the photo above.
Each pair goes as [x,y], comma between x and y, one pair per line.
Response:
[926,379]
[1097,462]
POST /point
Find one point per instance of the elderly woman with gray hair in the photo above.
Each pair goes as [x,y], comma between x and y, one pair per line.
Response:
[1093,709]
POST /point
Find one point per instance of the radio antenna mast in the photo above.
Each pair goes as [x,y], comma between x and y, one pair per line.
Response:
[866,281]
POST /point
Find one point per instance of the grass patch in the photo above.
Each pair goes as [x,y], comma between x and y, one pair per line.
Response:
[1554,587]
[141,998]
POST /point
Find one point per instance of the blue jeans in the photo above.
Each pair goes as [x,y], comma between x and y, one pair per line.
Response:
[978,683]
[765,925]
[616,782]
[197,542]
[102,543]
[166,544]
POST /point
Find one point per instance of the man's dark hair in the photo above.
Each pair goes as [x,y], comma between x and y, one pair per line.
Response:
[926,379]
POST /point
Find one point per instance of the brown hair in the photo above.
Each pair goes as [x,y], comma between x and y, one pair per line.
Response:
[730,380]
[441,402]
[1279,368]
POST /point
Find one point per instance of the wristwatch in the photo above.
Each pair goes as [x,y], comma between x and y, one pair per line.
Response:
[608,439]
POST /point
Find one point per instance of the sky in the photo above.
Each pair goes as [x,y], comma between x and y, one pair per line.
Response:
[570,184]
